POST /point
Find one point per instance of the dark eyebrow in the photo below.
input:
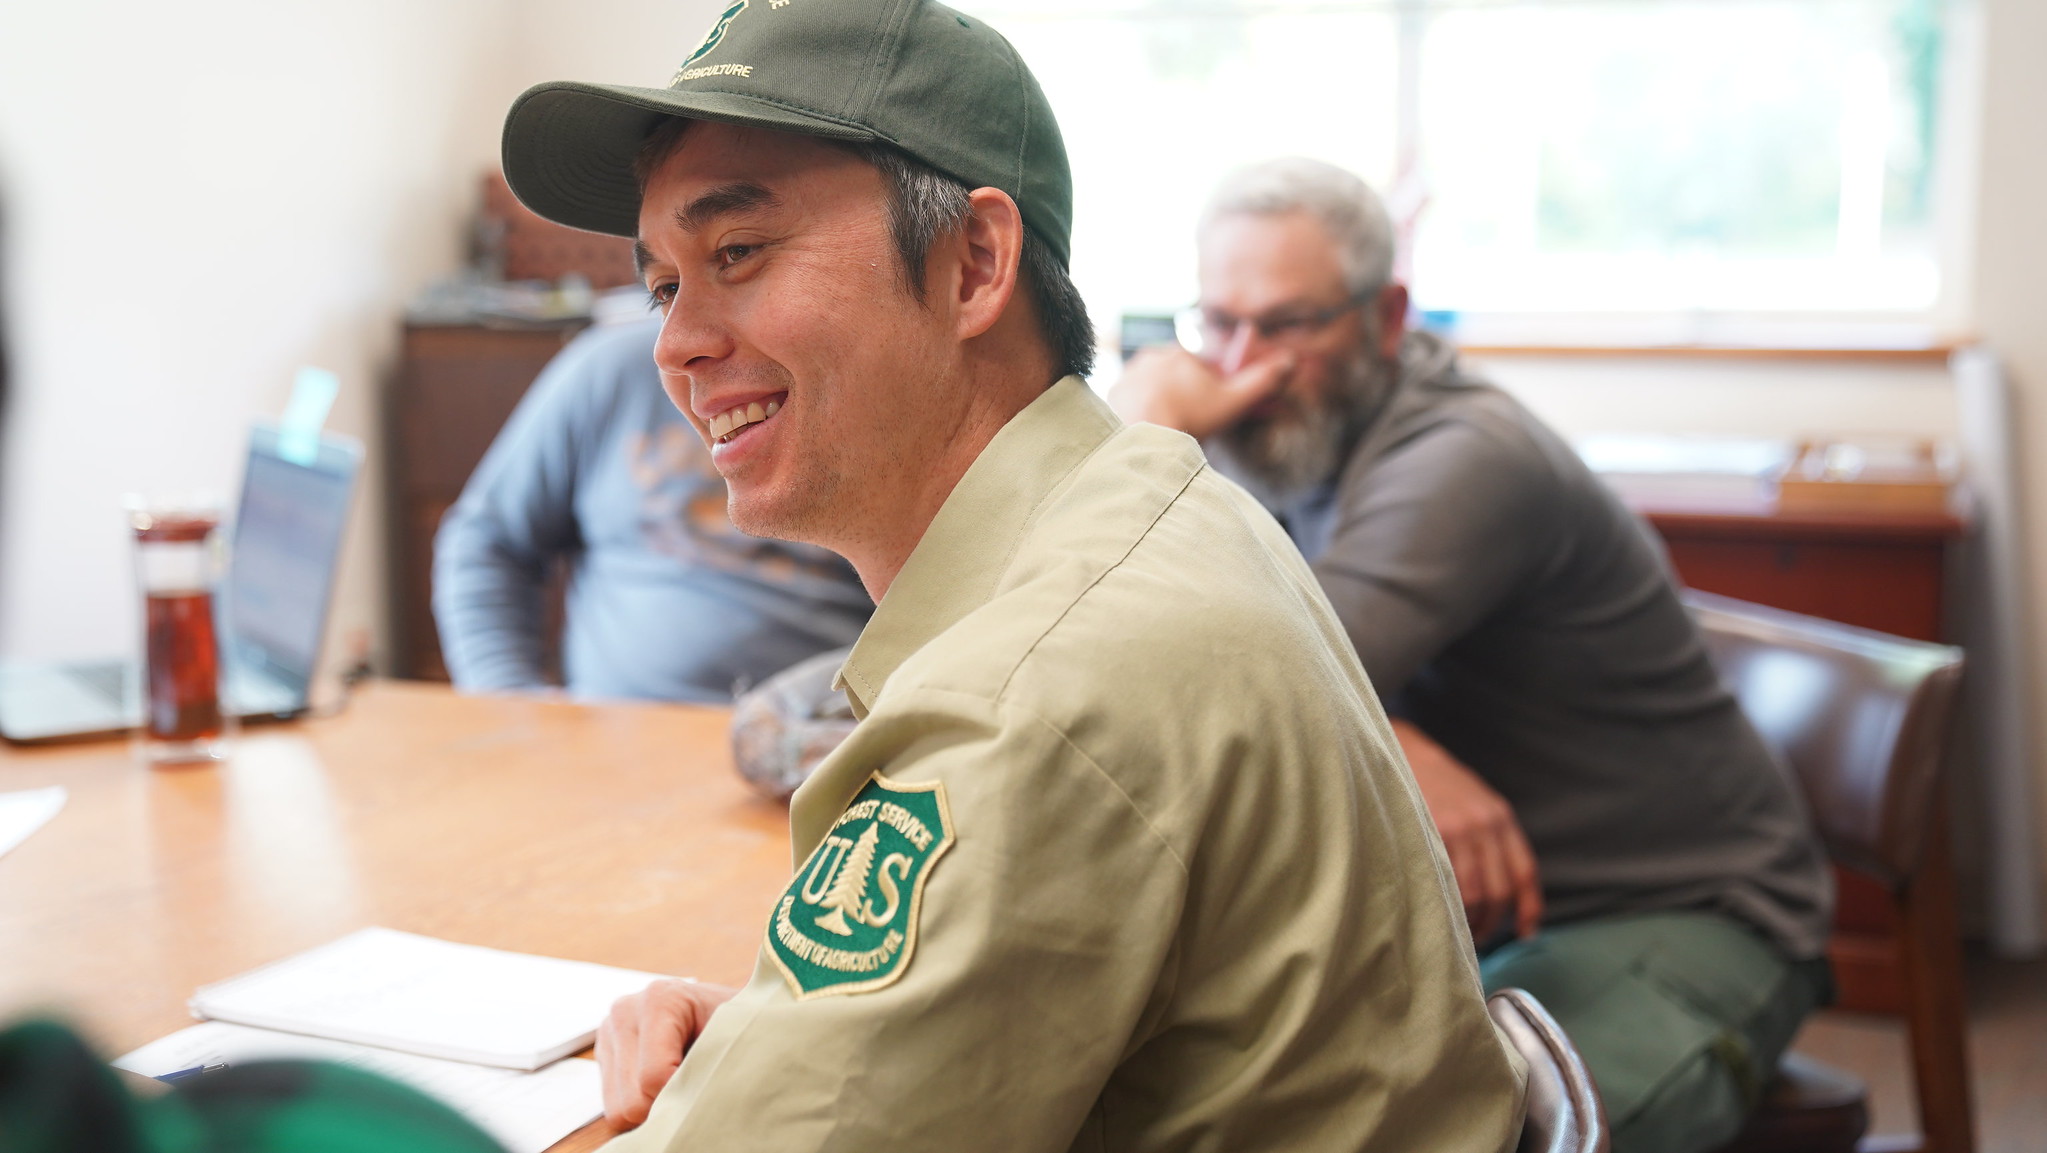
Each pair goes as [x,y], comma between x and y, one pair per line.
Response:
[742,196]
[739,196]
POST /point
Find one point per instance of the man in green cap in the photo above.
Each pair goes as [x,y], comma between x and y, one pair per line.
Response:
[1122,854]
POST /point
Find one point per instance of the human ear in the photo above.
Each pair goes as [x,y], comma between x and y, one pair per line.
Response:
[987,250]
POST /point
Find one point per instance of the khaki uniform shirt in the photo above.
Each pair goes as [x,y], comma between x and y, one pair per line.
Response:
[1121,856]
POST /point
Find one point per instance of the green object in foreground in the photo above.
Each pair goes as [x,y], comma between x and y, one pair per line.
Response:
[56,1097]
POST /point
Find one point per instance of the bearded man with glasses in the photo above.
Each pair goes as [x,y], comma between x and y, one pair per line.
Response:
[1625,846]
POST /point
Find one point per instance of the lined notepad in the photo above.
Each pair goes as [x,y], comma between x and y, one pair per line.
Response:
[524,1112]
[434,998]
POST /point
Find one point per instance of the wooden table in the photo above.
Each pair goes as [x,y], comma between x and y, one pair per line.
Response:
[618,834]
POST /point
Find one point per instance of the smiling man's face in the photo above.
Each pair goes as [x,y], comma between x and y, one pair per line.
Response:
[790,339]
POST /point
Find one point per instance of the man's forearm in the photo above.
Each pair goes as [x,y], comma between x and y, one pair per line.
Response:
[487,607]
[1494,867]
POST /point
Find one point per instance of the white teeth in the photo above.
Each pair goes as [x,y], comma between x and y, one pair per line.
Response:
[733,419]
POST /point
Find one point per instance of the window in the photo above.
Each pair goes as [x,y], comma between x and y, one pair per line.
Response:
[1552,162]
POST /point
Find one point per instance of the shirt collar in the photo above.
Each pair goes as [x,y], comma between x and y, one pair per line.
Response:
[958,564]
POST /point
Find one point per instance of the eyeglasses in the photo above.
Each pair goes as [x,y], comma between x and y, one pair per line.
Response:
[1212,329]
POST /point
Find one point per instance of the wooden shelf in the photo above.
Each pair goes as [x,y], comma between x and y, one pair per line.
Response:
[1872,527]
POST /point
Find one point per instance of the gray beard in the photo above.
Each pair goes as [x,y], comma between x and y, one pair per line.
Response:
[1299,447]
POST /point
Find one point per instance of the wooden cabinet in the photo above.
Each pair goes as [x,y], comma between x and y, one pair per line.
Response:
[455,387]
[1883,572]
[1878,572]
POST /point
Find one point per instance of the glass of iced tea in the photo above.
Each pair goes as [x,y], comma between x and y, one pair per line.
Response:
[178,563]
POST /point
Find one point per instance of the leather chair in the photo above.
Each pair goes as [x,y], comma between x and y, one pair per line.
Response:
[1863,720]
[1564,1113]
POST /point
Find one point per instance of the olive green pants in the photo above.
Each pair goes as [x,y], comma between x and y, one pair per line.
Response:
[1680,1017]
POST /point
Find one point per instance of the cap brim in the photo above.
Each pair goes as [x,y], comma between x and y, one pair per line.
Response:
[569,147]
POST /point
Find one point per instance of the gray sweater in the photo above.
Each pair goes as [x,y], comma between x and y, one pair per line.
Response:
[666,599]
[1507,603]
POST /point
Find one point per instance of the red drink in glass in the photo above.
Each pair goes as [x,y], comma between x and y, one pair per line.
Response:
[177,562]
[183,668]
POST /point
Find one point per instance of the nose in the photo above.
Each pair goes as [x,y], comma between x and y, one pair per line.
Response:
[1240,348]
[690,342]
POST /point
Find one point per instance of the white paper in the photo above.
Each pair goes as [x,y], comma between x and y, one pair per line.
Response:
[430,997]
[525,1112]
[24,812]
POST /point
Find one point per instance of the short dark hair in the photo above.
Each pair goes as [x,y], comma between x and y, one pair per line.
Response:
[924,204]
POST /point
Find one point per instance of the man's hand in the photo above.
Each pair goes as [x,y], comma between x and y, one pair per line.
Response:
[1175,388]
[1494,866]
[643,1040]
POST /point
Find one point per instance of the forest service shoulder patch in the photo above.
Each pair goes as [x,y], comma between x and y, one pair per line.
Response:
[848,921]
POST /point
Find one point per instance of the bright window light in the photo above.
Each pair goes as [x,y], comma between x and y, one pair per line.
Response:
[1546,158]
[1727,155]
[1158,102]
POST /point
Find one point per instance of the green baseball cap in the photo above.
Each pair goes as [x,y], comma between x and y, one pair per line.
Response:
[941,86]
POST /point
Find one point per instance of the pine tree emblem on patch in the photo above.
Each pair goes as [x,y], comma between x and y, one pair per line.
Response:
[848,922]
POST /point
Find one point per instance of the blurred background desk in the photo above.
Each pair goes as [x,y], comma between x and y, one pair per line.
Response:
[1883,571]
[618,834]
[456,386]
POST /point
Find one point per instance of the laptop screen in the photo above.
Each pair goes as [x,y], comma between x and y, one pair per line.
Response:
[287,543]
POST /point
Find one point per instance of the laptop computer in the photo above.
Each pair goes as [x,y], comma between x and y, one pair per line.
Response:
[272,608]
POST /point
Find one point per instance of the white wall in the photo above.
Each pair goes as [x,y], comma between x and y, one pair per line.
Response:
[2010,288]
[199,198]
[1731,396]
[611,41]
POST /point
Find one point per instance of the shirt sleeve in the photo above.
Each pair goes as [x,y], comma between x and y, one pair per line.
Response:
[515,517]
[1432,538]
[1040,942]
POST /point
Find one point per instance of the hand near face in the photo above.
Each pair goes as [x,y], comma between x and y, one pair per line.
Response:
[642,1042]
[1495,868]
[1175,388]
